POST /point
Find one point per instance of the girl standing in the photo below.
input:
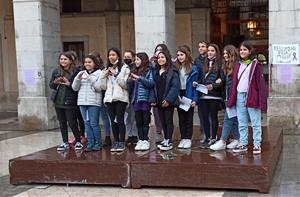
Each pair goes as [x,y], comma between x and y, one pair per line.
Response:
[89,100]
[143,83]
[249,94]
[209,103]
[65,99]
[114,81]
[167,87]
[187,74]
[230,58]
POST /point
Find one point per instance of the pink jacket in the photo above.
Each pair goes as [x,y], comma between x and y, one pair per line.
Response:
[257,90]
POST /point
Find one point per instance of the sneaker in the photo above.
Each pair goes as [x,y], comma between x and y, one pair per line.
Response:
[64,146]
[211,142]
[159,137]
[240,148]
[219,145]
[134,139]
[138,145]
[72,140]
[129,140]
[89,147]
[78,146]
[121,146]
[145,145]
[256,149]
[97,146]
[181,143]
[107,141]
[83,139]
[187,144]
[114,147]
[166,146]
[205,144]
[161,143]
[233,144]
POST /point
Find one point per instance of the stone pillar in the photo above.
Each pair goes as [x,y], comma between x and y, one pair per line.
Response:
[284,99]
[38,43]
[113,31]
[200,27]
[154,23]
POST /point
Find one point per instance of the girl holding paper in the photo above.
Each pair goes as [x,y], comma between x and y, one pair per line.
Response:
[209,103]
[249,94]
[230,58]
[187,74]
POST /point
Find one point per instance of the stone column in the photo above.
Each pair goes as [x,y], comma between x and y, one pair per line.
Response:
[113,31]
[38,43]
[154,24]
[200,27]
[284,99]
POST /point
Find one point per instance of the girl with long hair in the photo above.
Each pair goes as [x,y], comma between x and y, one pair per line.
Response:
[230,58]
[188,73]
[114,81]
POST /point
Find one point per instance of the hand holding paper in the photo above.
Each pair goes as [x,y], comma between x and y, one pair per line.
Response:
[185,103]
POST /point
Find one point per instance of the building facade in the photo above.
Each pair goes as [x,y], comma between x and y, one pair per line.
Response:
[34,32]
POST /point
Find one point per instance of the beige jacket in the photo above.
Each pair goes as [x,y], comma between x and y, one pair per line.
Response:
[116,87]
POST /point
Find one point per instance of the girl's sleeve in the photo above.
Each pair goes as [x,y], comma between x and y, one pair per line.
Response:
[147,82]
[51,84]
[123,76]
[96,82]
[103,81]
[76,83]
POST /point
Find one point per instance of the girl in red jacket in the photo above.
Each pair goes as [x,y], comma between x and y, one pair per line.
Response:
[248,93]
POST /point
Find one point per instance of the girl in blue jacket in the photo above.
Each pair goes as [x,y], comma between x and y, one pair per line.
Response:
[167,86]
[143,83]
[187,74]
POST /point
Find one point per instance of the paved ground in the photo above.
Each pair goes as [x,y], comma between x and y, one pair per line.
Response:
[17,143]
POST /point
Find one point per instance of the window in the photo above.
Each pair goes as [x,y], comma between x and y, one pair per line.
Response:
[78,47]
[69,6]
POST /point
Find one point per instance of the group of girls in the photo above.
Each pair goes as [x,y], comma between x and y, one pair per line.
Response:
[162,84]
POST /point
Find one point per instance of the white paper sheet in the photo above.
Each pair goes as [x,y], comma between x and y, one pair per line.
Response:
[202,88]
[231,112]
[186,103]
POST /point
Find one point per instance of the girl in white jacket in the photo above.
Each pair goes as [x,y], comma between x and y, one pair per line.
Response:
[114,81]
[87,83]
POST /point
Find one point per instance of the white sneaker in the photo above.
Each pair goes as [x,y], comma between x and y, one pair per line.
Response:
[145,145]
[219,145]
[181,143]
[138,145]
[166,146]
[187,144]
[63,147]
[233,144]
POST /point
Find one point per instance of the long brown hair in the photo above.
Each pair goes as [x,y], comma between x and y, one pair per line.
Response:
[72,67]
[233,56]
[98,56]
[188,59]
[216,61]
[144,67]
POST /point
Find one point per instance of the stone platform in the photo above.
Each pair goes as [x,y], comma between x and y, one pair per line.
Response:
[196,168]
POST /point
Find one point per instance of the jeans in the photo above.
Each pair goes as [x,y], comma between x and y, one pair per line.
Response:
[116,112]
[230,125]
[130,123]
[243,114]
[90,115]
[105,119]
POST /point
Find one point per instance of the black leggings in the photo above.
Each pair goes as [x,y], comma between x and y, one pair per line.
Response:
[116,111]
[166,117]
[209,109]
[80,122]
[65,117]
[142,119]
[186,122]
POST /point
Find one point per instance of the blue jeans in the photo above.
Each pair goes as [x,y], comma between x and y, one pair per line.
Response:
[105,119]
[90,115]
[243,114]
[230,125]
[130,122]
